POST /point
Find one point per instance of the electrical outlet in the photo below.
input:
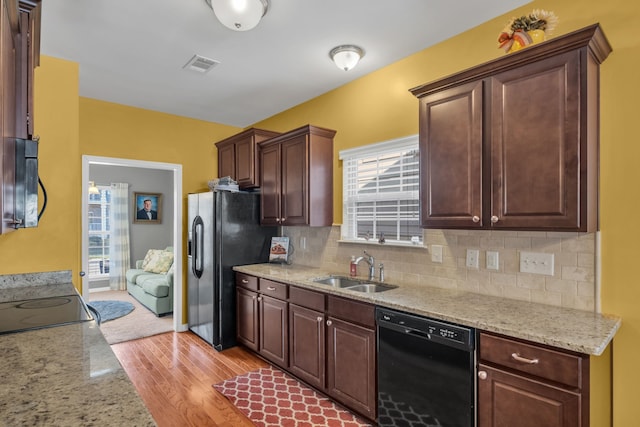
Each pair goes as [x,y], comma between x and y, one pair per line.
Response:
[436,253]
[493,262]
[472,258]
[536,263]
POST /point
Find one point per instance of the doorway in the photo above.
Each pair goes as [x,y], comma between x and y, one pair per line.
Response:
[176,214]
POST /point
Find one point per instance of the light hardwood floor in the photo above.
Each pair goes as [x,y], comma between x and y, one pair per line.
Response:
[174,373]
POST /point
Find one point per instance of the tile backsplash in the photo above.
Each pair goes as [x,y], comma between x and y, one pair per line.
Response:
[573,284]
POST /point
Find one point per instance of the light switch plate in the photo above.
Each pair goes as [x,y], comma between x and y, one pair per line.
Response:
[473,256]
[493,261]
[436,253]
[536,263]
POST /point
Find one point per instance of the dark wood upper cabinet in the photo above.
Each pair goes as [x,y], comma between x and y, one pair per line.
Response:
[297,178]
[513,143]
[19,54]
[238,156]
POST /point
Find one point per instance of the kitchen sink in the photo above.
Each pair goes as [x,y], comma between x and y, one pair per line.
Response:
[338,281]
[370,287]
[354,284]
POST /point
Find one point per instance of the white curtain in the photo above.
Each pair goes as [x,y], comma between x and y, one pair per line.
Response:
[119,259]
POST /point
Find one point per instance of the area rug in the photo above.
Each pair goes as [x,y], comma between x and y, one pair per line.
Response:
[140,323]
[270,398]
[110,310]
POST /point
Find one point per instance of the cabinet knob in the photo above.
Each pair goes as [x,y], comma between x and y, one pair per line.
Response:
[482,375]
[319,319]
[277,219]
[282,219]
[328,322]
[494,219]
[259,298]
[475,218]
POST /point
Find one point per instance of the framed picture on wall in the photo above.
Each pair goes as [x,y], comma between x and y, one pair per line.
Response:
[148,208]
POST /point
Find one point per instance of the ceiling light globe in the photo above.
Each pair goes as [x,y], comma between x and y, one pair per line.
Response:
[346,57]
[239,15]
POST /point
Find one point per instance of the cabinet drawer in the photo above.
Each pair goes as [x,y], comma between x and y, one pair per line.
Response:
[306,298]
[274,289]
[352,311]
[246,281]
[554,365]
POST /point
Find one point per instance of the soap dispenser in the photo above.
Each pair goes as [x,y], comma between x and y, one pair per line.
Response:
[353,267]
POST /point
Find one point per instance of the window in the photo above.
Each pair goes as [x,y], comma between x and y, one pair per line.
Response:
[99,228]
[380,192]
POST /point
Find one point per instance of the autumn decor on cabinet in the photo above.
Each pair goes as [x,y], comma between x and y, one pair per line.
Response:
[527,30]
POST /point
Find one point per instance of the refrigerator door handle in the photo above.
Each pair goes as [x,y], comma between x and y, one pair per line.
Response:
[198,244]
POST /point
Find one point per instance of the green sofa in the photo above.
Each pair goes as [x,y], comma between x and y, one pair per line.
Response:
[153,290]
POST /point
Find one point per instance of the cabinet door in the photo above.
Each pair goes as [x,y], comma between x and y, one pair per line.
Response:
[451,136]
[246,174]
[295,175]
[506,400]
[274,336]
[247,318]
[307,345]
[9,47]
[226,161]
[270,173]
[536,155]
[351,366]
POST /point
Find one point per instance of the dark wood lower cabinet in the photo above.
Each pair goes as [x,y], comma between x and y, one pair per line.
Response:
[508,399]
[247,325]
[307,345]
[351,365]
[274,330]
[524,384]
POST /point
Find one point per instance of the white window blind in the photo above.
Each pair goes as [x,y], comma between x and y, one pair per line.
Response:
[380,193]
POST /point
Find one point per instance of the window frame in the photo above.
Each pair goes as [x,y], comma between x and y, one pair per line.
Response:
[103,233]
[349,232]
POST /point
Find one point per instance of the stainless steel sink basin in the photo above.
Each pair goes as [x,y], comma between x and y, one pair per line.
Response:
[354,284]
[338,281]
[370,287]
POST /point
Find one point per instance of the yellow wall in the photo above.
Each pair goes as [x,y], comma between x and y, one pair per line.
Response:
[378,107]
[374,108]
[54,244]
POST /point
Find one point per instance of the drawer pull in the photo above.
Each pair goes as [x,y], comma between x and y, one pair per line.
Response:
[245,281]
[519,358]
[271,288]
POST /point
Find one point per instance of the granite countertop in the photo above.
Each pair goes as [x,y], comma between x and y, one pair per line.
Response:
[569,329]
[64,375]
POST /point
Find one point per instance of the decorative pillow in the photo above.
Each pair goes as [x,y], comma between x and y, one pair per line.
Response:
[157,261]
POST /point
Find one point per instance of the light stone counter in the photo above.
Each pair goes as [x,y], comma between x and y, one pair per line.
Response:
[64,375]
[576,330]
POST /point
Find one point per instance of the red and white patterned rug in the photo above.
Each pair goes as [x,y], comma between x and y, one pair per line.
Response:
[270,398]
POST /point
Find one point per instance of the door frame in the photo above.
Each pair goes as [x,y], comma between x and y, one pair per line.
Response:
[87,161]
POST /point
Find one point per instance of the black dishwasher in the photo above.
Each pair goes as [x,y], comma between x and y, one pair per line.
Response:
[426,372]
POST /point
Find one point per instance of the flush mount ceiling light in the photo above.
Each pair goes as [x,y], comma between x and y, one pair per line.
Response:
[239,15]
[346,56]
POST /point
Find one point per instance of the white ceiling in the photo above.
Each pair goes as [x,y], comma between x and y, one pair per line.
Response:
[132,52]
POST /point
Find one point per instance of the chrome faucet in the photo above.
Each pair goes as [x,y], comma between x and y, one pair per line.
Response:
[372,264]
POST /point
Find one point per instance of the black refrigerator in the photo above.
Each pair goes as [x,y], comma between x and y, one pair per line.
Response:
[224,231]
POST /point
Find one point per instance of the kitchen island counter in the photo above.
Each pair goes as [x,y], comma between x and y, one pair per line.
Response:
[576,330]
[63,375]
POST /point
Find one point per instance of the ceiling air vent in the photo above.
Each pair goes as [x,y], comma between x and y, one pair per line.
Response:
[200,64]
